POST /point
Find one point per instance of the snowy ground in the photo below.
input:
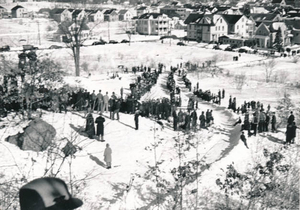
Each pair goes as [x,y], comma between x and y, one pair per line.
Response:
[133,152]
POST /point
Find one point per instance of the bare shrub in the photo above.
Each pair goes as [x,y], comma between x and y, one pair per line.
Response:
[85,66]
[269,69]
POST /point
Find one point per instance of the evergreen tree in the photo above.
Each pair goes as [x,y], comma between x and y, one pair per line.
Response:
[278,40]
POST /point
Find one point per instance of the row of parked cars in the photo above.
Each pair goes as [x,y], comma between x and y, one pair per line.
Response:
[102,42]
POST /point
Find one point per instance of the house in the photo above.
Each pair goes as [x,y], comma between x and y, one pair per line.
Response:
[265,34]
[294,27]
[283,3]
[18,12]
[232,11]
[239,25]
[61,15]
[63,32]
[190,21]
[153,24]
[232,40]
[2,11]
[125,15]
[78,14]
[182,12]
[142,10]
[95,16]
[111,15]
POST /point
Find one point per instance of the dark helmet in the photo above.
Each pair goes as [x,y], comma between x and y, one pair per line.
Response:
[47,194]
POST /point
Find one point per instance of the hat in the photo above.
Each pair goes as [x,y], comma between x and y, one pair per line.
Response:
[47,194]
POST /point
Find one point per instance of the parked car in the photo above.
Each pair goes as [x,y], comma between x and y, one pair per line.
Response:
[181,44]
[124,41]
[113,42]
[29,47]
[242,50]
[228,49]
[101,42]
[55,47]
[216,47]
[4,48]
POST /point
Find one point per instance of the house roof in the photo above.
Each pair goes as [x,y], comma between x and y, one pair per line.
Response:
[276,1]
[17,7]
[294,23]
[259,17]
[142,8]
[148,15]
[193,17]
[172,14]
[2,7]
[123,11]
[91,11]
[232,19]
[109,11]
[58,11]
[76,12]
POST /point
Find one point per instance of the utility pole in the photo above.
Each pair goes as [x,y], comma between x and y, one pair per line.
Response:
[39,34]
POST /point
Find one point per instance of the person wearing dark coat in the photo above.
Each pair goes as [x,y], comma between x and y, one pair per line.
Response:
[136,119]
[230,103]
[290,133]
[291,118]
[273,122]
[243,138]
[202,120]
[194,118]
[223,93]
[100,127]
[175,120]
[187,123]
[90,126]
[267,122]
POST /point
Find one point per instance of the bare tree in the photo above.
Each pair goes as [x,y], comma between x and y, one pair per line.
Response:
[74,38]
[269,69]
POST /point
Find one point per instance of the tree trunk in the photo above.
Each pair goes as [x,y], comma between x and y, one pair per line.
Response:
[77,61]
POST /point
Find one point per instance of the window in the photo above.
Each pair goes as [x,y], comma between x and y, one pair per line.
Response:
[221,21]
[222,28]
[208,29]
[216,28]
[237,27]
[219,28]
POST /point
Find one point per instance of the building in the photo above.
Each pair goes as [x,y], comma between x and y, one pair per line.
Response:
[65,29]
[262,18]
[95,16]
[111,15]
[283,3]
[153,24]
[240,25]
[182,12]
[142,10]
[125,15]
[265,34]
[232,40]
[18,12]
[78,14]
[294,27]
[61,15]
[191,21]
[2,11]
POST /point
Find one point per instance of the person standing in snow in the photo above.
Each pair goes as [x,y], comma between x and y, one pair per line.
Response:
[100,102]
[291,118]
[273,122]
[90,126]
[174,119]
[243,138]
[105,101]
[136,119]
[194,119]
[202,120]
[254,123]
[107,156]
[100,127]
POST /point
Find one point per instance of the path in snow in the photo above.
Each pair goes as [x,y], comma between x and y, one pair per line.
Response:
[225,120]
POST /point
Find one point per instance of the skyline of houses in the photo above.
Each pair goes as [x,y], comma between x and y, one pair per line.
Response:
[251,23]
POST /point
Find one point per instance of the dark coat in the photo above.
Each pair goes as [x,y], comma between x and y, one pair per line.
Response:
[90,126]
[100,125]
